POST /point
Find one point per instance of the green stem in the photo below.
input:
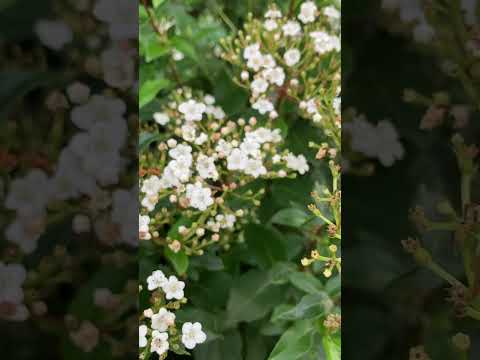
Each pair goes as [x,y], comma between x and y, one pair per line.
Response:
[445,275]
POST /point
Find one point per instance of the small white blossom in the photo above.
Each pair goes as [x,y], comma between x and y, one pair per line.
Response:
[161,118]
[192,335]
[308,12]
[159,343]
[173,288]
[156,280]
[292,57]
[53,34]
[292,28]
[163,320]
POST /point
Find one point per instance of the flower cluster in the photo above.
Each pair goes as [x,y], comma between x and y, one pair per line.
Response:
[366,141]
[283,57]
[158,331]
[464,224]
[204,165]
[440,110]
[77,175]
[449,29]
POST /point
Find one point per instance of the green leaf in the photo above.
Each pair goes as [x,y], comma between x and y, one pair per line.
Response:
[252,297]
[16,84]
[179,260]
[186,47]
[154,49]
[310,306]
[265,245]
[334,285]
[332,347]
[306,282]
[293,217]
[256,345]
[231,344]
[157,3]
[150,89]
[295,343]
[145,139]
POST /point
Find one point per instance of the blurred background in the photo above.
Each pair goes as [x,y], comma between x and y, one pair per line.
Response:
[389,303]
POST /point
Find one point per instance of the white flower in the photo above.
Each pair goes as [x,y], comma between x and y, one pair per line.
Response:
[389,148]
[251,50]
[143,229]
[124,215]
[263,106]
[173,288]
[78,93]
[255,168]
[331,12]
[275,76]
[223,148]
[269,62]
[142,336]
[162,320]
[25,232]
[379,141]
[292,28]
[201,139]
[325,42]
[226,221]
[159,343]
[118,68]
[218,113]
[53,34]
[297,163]
[27,195]
[99,109]
[161,118]
[156,280]
[423,32]
[250,146]
[308,12]
[121,15]
[103,298]
[181,151]
[256,61]
[199,197]
[237,160]
[177,55]
[192,110]
[259,86]
[270,25]
[86,337]
[189,132]
[152,185]
[206,167]
[192,335]
[12,277]
[292,57]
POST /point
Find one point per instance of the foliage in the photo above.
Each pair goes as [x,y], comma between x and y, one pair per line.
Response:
[234,233]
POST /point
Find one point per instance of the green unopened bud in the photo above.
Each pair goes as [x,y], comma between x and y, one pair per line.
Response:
[444,207]
[422,256]
[461,341]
